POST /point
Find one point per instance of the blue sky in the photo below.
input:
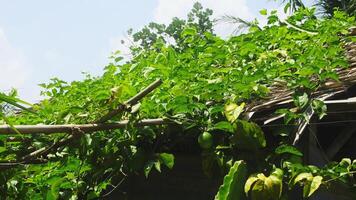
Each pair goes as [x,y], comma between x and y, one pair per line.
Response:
[41,39]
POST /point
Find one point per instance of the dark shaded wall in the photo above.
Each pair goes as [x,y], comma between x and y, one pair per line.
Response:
[185,181]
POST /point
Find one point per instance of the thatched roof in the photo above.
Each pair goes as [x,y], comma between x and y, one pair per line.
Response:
[281,96]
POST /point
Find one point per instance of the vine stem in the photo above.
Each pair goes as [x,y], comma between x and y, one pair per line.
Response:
[298,28]
[114,187]
[333,179]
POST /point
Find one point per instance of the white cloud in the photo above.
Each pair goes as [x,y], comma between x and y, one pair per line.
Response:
[13,72]
[167,9]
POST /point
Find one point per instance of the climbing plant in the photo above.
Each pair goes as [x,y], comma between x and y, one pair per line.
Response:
[208,83]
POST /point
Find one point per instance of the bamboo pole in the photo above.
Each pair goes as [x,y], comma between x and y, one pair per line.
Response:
[70,128]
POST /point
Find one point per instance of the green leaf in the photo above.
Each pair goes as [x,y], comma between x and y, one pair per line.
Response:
[233,111]
[224,126]
[55,183]
[119,58]
[287,7]
[319,107]
[353,165]
[263,12]
[248,136]
[157,165]
[50,195]
[262,187]
[345,162]
[2,149]
[92,195]
[15,102]
[301,100]
[167,159]
[147,70]
[278,173]
[233,185]
[288,149]
[311,183]
[133,67]
[215,81]
[216,109]
[102,95]
[160,58]
[274,184]
[258,191]
[12,100]
[189,32]
[148,167]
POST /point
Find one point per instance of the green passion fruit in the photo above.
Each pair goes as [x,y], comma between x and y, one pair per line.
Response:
[205,140]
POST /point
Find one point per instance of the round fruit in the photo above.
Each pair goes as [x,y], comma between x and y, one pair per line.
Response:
[205,140]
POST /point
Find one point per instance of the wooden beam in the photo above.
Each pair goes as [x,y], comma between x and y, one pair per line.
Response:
[343,101]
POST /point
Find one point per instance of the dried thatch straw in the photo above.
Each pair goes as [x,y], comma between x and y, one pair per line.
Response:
[280,95]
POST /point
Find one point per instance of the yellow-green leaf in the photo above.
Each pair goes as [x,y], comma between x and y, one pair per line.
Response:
[258,191]
[250,181]
[314,185]
[274,186]
[303,176]
[233,111]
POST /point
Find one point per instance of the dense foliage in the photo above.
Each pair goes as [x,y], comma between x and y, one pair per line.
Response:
[207,82]
[327,7]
